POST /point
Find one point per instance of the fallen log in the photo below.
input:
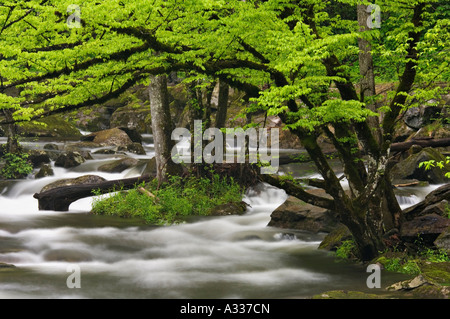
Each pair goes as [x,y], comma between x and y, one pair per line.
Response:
[303,157]
[60,198]
[404,146]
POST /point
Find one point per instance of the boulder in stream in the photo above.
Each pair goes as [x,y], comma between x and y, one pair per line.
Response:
[119,165]
[296,214]
[69,159]
[45,170]
[110,137]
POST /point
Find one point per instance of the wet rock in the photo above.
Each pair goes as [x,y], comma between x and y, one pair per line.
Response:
[46,170]
[111,137]
[335,238]
[69,159]
[229,209]
[5,266]
[119,165]
[408,284]
[432,283]
[409,168]
[443,241]
[135,148]
[86,179]
[428,227]
[434,203]
[51,147]
[296,214]
[37,158]
[150,167]
[106,151]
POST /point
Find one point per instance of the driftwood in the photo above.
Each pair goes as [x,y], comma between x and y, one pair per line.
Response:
[60,198]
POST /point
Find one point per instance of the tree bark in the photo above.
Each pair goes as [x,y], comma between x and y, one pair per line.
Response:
[222,104]
[162,128]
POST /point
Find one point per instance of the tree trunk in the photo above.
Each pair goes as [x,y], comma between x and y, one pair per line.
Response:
[12,144]
[162,128]
[366,69]
[222,104]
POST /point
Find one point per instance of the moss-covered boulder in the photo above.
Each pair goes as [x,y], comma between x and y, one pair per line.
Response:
[432,283]
[409,168]
[335,238]
[52,126]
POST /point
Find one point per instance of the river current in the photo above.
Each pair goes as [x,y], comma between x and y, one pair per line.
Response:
[208,257]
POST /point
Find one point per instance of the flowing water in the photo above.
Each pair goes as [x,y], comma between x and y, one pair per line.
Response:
[208,257]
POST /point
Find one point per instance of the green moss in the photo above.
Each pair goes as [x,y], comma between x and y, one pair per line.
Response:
[51,126]
[438,272]
[344,294]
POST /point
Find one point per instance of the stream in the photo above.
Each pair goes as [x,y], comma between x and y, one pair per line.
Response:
[208,257]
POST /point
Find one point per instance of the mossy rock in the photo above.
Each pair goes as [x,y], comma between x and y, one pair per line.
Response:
[409,168]
[335,238]
[345,294]
[238,208]
[134,116]
[436,272]
[51,126]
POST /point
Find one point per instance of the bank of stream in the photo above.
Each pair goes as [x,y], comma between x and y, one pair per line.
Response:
[208,257]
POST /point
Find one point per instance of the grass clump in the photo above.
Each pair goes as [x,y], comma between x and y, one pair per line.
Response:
[172,201]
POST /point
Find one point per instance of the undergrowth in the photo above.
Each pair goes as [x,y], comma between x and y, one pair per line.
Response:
[172,201]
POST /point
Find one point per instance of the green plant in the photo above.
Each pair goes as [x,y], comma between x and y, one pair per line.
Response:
[346,250]
[171,201]
[16,166]
[432,163]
